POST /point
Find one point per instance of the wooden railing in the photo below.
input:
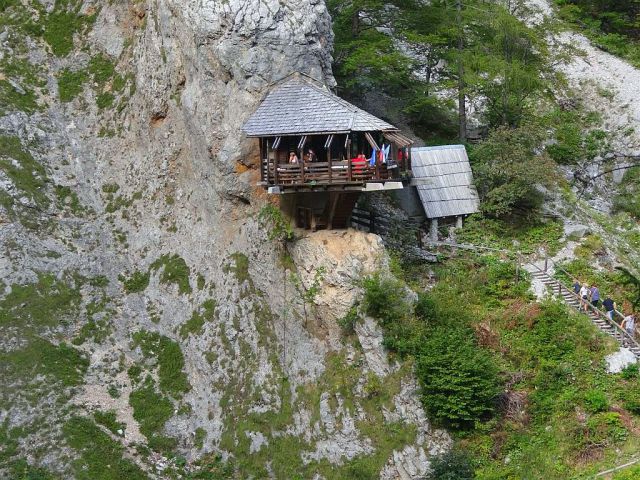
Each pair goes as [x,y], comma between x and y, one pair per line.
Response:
[322,173]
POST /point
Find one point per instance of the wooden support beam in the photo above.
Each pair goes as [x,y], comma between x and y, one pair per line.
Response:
[329,161]
[434,230]
[332,208]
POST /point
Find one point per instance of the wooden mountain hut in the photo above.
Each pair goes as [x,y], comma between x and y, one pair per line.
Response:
[313,141]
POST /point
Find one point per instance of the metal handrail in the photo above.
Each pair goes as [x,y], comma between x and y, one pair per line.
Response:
[599,312]
[557,267]
[590,306]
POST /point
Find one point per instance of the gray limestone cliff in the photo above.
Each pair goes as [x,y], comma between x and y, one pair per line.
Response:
[147,323]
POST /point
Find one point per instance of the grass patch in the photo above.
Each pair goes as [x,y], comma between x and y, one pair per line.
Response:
[59,26]
[201,435]
[101,68]
[628,198]
[239,267]
[105,100]
[70,84]
[152,410]
[136,283]
[194,325]
[61,363]
[101,457]
[169,358]
[108,419]
[35,306]
[23,170]
[23,101]
[67,198]
[501,234]
[174,270]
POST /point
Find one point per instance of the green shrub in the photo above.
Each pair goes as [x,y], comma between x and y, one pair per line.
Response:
[459,380]
[70,84]
[101,457]
[348,322]
[198,318]
[596,401]
[138,282]
[108,419]
[134,373]
[105,100]
[605,428]
[151,410]
[425,308]
[278,225]
[630,372]
[384,298]
[452,465]
[102,68]
[175,270]
[503,166]
[170,359]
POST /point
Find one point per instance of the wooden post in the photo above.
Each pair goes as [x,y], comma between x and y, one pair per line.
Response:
[434,230]
[459,221]
[261,140]
[275,167]
[329,162]
[333,205]
[266,141]
[349,169]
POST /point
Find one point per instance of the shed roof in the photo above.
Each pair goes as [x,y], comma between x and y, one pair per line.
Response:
[302,106]
[444,180]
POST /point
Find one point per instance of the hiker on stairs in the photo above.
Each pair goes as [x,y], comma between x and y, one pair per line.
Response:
[594,295]
[610,308]
[629,324]
[576,287]
[584,297]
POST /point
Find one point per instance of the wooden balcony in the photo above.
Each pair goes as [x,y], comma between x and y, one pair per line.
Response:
[334,175]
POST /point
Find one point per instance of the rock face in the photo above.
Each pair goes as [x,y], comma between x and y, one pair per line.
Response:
[138,279]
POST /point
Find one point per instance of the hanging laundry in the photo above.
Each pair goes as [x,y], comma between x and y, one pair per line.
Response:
[372,160]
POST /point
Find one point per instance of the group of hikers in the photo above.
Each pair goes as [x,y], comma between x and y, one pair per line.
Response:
[591,295]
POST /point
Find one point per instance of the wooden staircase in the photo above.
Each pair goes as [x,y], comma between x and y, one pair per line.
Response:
[598,318]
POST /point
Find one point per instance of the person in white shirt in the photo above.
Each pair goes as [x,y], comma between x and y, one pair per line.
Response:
[584,297]
[629,324]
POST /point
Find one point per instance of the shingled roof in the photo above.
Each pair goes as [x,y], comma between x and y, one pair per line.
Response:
[301,106]
[444,181]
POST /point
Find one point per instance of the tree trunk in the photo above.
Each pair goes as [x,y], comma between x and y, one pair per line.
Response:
[462,103]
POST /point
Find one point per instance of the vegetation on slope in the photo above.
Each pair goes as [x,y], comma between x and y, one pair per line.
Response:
[612,25]
[425,62]
[522,384]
